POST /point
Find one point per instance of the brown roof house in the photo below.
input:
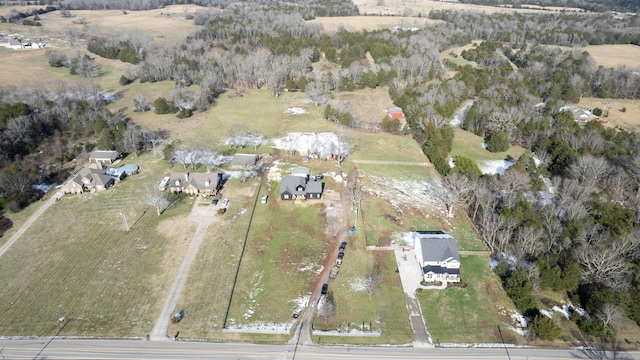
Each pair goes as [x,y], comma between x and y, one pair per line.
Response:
[103,158]
[438,256]
[89,179]
[298,187]
[195,183]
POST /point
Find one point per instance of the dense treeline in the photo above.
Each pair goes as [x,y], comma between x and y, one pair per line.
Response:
[40,124]
[550,29]
[589,5]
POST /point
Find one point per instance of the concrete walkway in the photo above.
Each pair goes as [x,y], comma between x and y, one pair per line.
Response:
[205,216]
[410,277]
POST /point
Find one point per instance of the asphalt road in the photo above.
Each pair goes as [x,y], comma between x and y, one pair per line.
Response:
[140,349]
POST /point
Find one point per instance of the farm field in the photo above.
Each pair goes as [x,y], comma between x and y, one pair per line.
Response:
[86,275]
[422,8]
[624,113]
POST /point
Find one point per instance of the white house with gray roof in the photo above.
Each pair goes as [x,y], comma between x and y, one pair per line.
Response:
[438,256]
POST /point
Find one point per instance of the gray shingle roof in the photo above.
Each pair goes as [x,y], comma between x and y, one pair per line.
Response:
[437,246]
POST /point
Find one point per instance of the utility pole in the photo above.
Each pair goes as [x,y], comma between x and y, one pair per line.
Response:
[124,218]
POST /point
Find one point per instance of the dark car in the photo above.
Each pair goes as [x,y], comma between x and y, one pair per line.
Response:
[325,287]
[214,202]
[340,255]
[342,246]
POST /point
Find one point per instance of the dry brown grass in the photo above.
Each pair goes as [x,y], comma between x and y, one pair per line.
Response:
[615,55]
[367,105]
[629,119]
[422,8]
[167,24]
[357,23]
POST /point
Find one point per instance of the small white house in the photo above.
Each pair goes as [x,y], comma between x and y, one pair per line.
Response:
[437,255]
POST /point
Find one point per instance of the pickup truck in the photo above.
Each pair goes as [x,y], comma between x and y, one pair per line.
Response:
[334,271]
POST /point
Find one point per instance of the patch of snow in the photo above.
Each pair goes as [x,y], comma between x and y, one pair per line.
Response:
[42,187]
[314,268]
[275,171]
[546,313]
[300,303]
[458,117]
[492,167]
[484,145]
[404,238]
[295,110]
[360,284]
[256,289]
[313,144]
[564,310]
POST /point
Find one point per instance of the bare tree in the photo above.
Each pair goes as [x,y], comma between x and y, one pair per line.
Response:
[156,137]
[527,242]
[141,103]
[512,182]
[157,199]
[589,170]
[610,314]
[452,190]
[604,264]
[131,140]
[344,146]
[317,93]
[354,189]
[327,307]
[373,278]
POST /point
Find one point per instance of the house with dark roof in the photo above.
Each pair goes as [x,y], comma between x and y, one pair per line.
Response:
[89,179]
[438,256]
[195,183]
[103,158]
[298,187]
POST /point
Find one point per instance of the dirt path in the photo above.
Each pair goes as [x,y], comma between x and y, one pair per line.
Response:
[204,216]
[36,215]
[336,230]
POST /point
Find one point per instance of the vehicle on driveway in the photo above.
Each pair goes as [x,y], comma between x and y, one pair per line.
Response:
[214,202]
[225,202]
[325,288]
[264,199]
[343,245]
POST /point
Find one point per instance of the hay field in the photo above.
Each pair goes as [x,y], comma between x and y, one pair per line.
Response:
[615,55]
[628,119]
[358,23]
[167,24]
[423,7]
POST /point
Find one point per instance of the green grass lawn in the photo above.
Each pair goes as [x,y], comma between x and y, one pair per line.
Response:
[472,314]
[78,262]
[468,144]
[381,310]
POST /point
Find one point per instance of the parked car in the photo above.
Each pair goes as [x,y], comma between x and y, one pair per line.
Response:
[340,255]
[214,202]
[264,199]
[325,288]
[225,202]
[319,176]
[343,245]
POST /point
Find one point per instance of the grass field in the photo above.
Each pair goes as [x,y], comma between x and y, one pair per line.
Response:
[422,8]
[628,119]
[370,23]
[468,144]
[472,314]
[85,269]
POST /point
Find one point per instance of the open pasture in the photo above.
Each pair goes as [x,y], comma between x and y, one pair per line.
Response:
[77,270]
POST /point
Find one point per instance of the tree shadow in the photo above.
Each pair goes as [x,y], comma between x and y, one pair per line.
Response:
[604,348]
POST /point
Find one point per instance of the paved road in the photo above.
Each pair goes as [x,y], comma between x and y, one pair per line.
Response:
[47,204]
[143,350]
[204,215]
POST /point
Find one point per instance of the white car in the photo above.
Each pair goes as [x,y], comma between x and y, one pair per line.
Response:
[225,202]
[264,199]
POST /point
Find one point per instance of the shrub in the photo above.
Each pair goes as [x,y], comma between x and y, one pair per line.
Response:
[390,125]
[546,328]
[597,111]
[467,166]
[162,106]
[184,113]
[125,80]
[5,224]
[497,141]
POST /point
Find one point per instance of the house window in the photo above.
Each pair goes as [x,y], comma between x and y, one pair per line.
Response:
[285,196]
[429,276]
